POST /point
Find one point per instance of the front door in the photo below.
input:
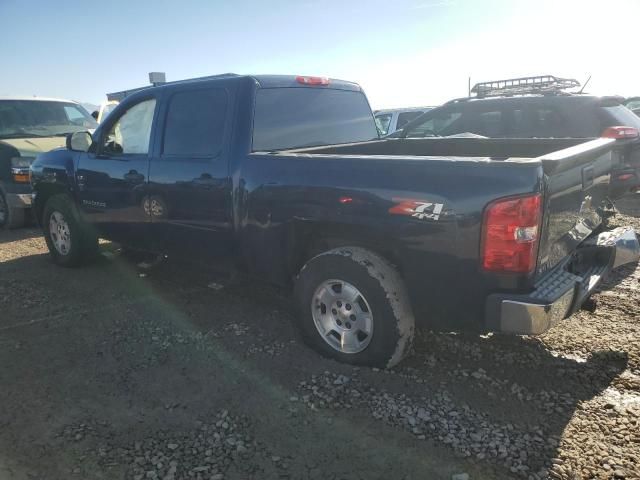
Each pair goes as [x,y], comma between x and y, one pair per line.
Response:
[112,178]
[189,183]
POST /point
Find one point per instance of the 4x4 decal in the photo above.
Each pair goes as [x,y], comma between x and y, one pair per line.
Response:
[417,209]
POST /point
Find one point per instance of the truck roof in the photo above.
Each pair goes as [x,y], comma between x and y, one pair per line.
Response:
[263,81]
[41,99]
[518,97]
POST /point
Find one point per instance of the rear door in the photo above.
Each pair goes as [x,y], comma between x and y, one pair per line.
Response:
[189,185]
[112,180]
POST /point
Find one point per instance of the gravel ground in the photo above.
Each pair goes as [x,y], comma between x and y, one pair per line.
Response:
[108,372]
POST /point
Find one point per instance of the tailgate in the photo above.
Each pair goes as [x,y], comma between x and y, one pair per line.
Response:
[577,186]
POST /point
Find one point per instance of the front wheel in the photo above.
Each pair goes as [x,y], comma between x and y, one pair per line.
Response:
[353,307]
[70,240]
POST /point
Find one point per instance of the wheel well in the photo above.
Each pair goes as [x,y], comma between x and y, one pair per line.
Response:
[44,193]
[313,242]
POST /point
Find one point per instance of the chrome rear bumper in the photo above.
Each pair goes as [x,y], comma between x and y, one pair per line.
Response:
[562,292]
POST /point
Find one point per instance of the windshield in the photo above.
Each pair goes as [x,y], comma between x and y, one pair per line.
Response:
[39,118]
[436,123]
[288,118]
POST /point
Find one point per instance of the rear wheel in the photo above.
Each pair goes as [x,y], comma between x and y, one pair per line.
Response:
[354,307]
[70,240]
[10,217]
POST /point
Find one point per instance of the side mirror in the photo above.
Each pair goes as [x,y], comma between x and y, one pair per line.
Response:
[79,141]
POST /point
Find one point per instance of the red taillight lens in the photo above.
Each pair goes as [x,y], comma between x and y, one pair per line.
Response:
[312,80]
[620,133]
[510,234]
[625,176]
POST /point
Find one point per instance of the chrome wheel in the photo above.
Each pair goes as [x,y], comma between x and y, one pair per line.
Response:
[4,210]
[342,316]
[60,233]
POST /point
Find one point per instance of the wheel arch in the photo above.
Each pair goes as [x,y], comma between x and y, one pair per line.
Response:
[309,240]
[44,192]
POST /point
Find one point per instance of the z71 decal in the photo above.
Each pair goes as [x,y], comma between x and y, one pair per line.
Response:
[417,209]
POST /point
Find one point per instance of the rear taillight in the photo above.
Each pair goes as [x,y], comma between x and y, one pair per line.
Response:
[620,133]
[510,234]
[312,80]
[624,177]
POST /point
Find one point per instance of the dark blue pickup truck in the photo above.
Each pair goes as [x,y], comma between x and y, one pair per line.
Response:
[284,178]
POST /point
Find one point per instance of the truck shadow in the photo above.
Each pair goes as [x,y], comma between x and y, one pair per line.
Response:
[509,394]
[25,233]
[524,389]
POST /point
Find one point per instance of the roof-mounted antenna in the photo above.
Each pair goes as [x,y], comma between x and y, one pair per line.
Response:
[585,84]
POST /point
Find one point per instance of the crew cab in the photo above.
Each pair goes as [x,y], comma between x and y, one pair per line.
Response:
[284,179]
[540,107]
[28,126]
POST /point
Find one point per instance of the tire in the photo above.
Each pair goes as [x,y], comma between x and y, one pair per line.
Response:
[82,242]
[351,291]
[11,218]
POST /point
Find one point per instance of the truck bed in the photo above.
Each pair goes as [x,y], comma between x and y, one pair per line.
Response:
[576,177]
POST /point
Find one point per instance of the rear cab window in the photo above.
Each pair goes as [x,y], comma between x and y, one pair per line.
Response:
[195,123]
[296,117]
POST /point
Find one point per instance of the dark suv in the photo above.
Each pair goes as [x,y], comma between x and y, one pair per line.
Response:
[538,115]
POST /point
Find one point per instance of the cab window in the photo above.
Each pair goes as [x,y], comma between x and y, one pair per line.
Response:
[195,123]
[406,117]
[382,123]
[439,123]
[131,132]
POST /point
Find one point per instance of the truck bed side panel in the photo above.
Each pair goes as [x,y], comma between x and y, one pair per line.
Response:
[294,201]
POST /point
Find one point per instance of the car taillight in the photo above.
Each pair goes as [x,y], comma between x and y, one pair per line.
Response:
[510,234]
[312,80]
[625,176]
[620,133]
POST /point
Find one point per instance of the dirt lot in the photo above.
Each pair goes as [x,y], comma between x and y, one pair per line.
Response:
[106,373]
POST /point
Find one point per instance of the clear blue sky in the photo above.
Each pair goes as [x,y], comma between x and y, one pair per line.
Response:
[403,52]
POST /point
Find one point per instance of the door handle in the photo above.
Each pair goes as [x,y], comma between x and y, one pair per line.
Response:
[205,180]
[133,177]
[80,182]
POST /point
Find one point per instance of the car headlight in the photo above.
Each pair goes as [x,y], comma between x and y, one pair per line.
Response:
[20,168]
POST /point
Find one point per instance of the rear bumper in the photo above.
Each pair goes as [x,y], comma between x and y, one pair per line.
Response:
[563,291]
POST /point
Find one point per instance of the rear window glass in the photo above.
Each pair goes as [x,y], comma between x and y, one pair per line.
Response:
[288,118]
[620,116]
